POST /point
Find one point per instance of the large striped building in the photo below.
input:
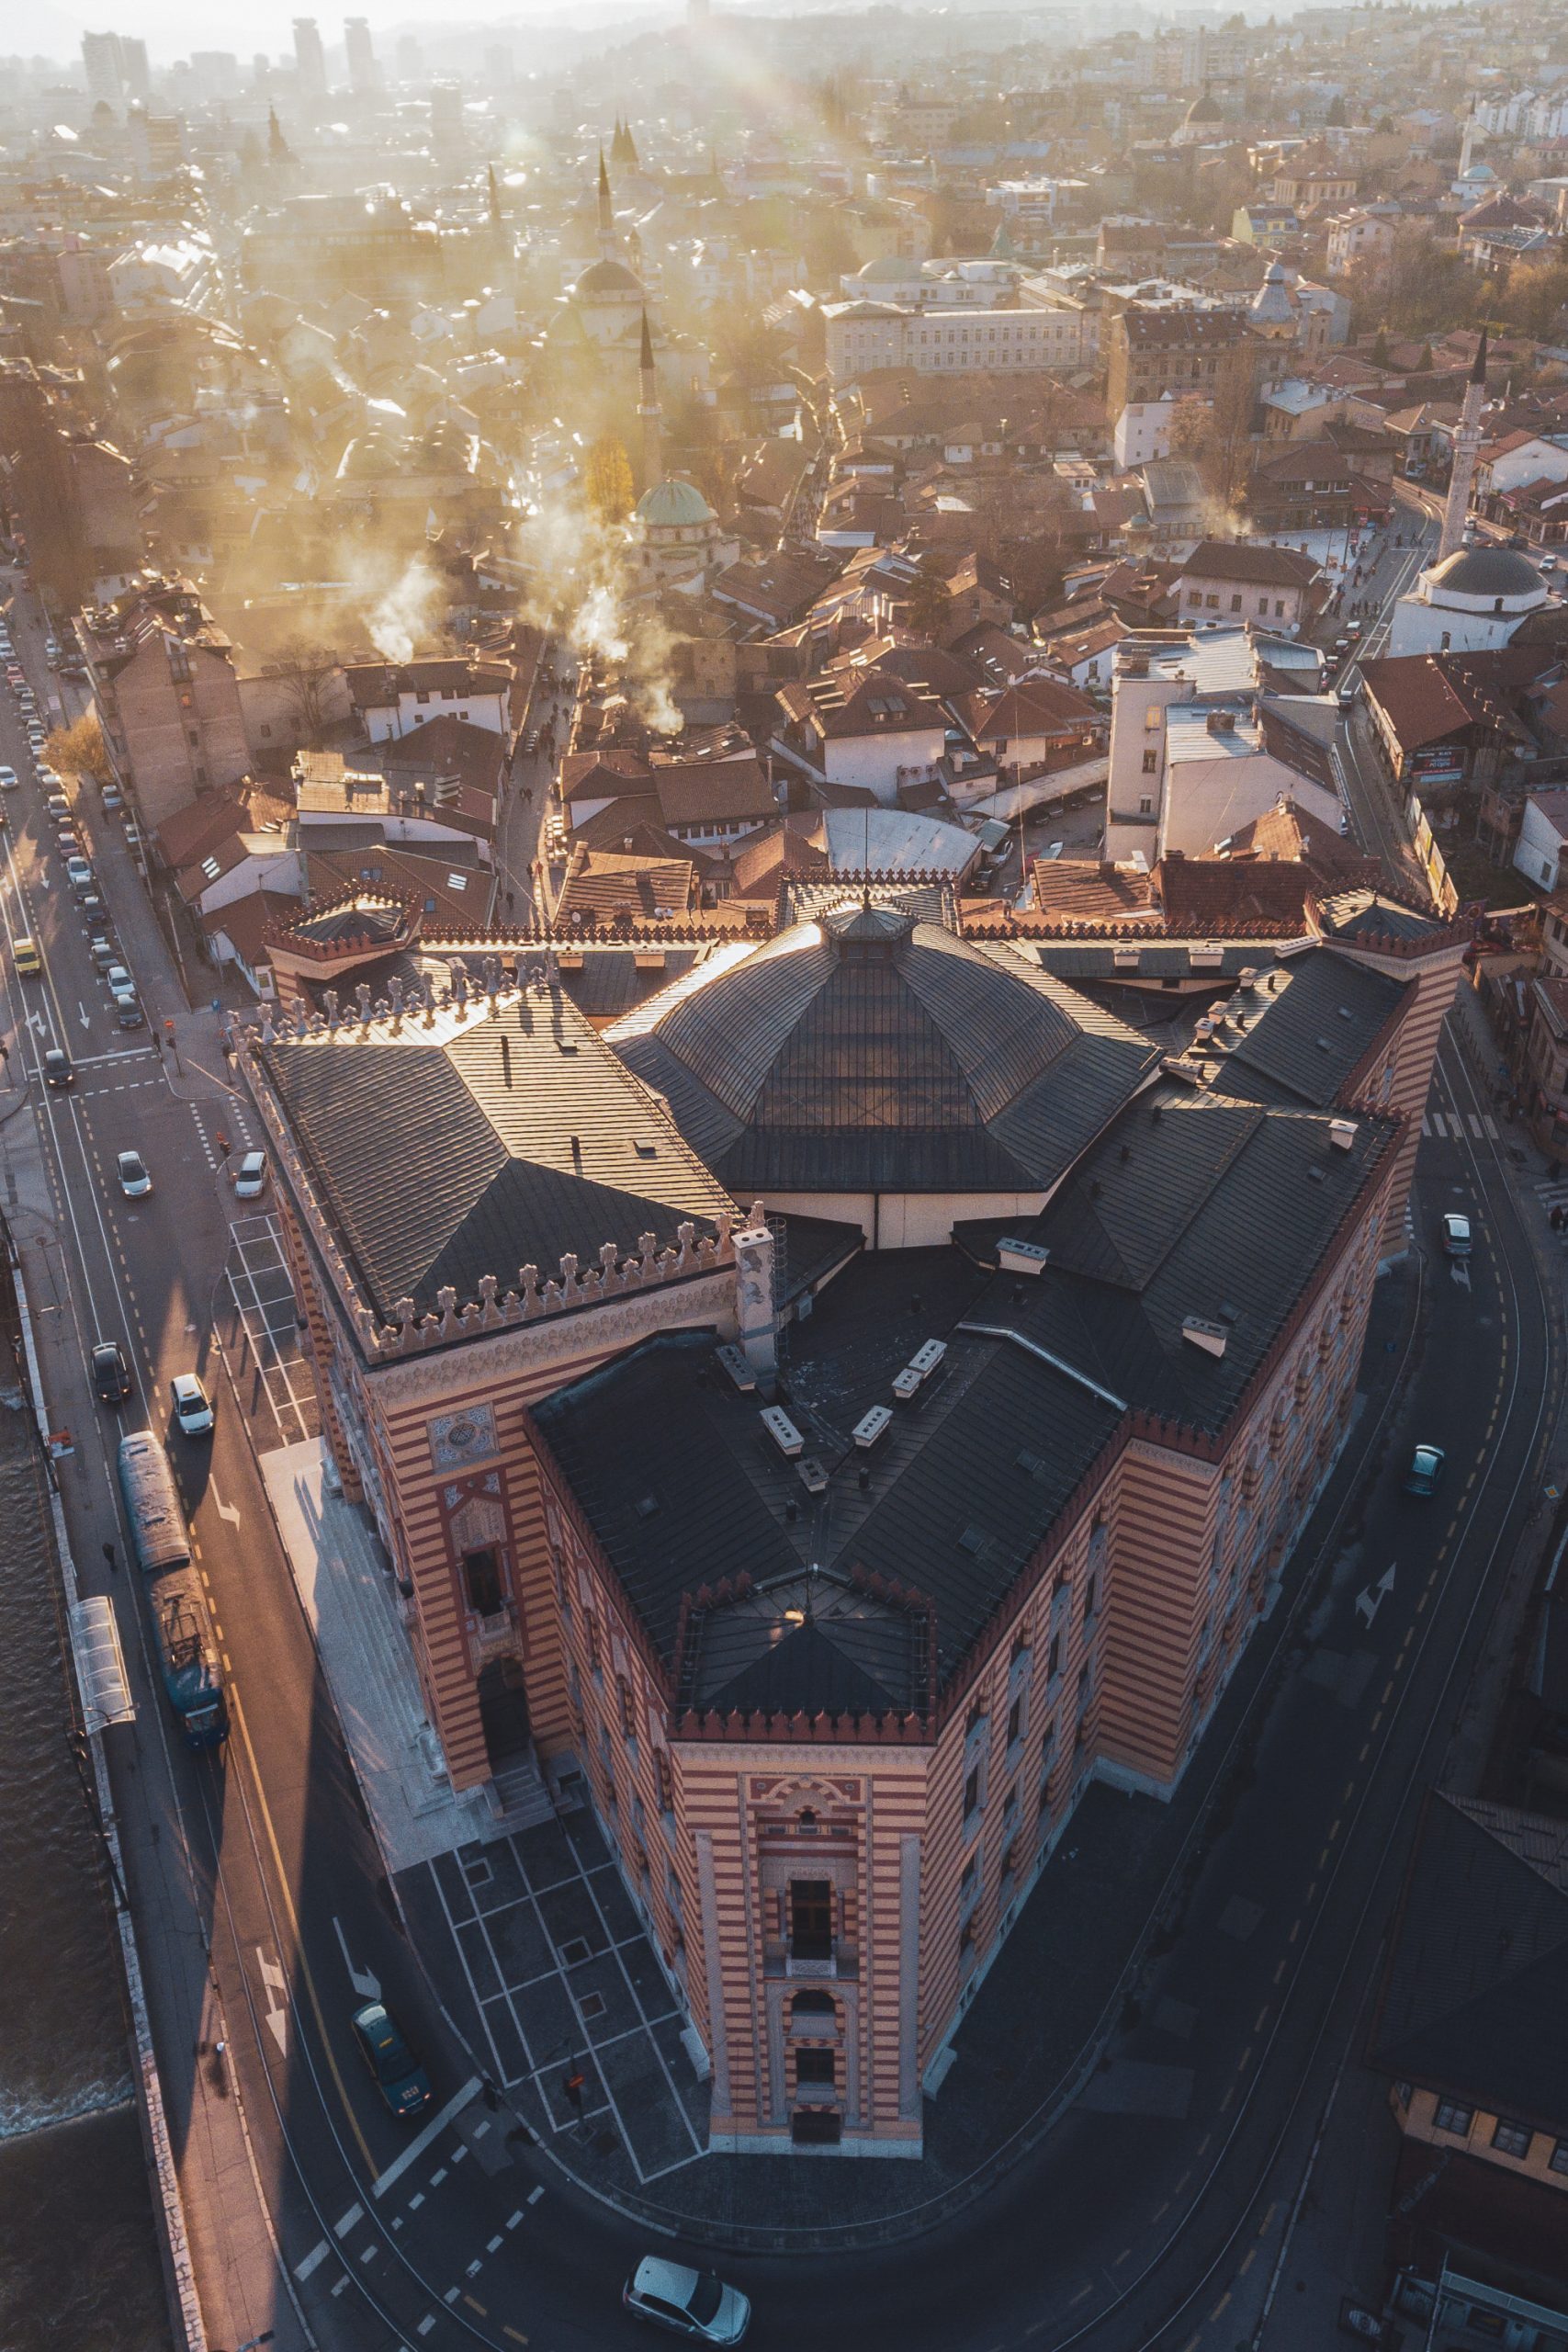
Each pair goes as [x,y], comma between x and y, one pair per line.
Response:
[829,1548]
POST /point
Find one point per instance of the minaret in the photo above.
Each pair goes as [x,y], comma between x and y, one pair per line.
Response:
[606,214]
[648,410]
[1467,442]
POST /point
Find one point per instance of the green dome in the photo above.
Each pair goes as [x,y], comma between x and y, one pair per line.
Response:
[672,505]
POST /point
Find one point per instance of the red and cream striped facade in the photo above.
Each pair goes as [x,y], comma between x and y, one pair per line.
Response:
[915,1840]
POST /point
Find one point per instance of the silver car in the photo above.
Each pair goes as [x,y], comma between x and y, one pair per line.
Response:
[695,2303]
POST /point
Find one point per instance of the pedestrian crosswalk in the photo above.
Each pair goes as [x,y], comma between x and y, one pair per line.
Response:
[1472,1125]
[1552,1196]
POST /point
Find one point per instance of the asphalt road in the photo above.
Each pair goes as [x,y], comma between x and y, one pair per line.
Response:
[315,2219]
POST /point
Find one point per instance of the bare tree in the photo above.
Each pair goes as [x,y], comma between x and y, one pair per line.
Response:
[307,671]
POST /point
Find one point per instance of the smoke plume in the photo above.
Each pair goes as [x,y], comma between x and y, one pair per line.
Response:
[405,611]
[577,563]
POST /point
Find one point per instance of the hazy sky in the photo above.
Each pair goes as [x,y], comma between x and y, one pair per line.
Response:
[173,28]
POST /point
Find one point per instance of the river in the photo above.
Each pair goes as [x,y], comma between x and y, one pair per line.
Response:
[79,2261]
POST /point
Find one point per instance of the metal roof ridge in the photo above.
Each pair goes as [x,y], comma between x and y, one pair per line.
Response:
[1057,1363]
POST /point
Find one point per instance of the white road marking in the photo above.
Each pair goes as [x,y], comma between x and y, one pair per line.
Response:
[477,2265]
[368,1988]
[458,2153]
[491,2244]
[513,2219]
[230,1513]
[277,1988]
[426,2323]
[534,2194]
[416,2200]
[451,2295]
[417,2146]
[340,2284]
[1475,1126]
[312,2261]
[355,2213]
[1370,1601]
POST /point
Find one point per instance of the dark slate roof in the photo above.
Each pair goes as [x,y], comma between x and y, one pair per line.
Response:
[1476,1985]
[683,1487]
[1309,1034]
[481,1144]
[608,984]
[1367,916]
[1192,1205]
[876,1052]
[1083,960]
[1219,1210]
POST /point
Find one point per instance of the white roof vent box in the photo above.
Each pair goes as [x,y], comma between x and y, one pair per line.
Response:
[1199,1333]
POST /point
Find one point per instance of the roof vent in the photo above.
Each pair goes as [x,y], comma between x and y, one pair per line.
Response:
[738,1364]
[1021,1257]
[974,1541]
[1221,722]
[646,1505]
[1199,1333]
[783,1432]
[871,1426]
[1341,1134]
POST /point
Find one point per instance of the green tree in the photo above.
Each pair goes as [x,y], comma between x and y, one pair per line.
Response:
[611,490]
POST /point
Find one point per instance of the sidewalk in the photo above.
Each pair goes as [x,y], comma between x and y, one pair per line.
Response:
[350,1596]
[540,1957]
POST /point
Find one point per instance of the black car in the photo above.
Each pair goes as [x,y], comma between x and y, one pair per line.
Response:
[57,1070]
[111,1374]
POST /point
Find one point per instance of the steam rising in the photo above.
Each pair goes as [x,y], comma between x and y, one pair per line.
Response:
[577,563]
[399,615]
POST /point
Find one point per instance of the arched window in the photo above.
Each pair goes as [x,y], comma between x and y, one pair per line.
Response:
[813,2004]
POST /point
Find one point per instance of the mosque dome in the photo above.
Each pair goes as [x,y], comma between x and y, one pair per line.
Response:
[1485,575]
[1203,111]
[608,278]
[673,506]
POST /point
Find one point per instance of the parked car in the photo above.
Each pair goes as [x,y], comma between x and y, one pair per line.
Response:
[128,1012]
[119,977]
[400,2079]
[57,1070]
[111,799]
[78,873]
[192,1405]
[111,1374]
[105,955]
[1426,1472]
[693,2303]
[1456,1235]
[250,1176]
[134,1181]
[7,779]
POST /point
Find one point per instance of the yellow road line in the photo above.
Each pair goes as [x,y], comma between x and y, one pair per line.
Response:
[1219,2307]
[244,1729]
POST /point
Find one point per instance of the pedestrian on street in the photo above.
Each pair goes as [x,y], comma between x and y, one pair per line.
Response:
[108,1555]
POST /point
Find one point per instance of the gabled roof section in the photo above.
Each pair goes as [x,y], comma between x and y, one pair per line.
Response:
[1316,1018]
[1476,1985]
[477,1145]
